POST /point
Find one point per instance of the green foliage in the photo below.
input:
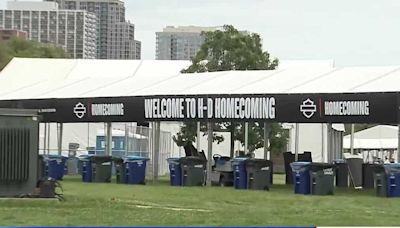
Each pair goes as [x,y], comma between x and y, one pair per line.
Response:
[188,133]
[230,49]
[16,47]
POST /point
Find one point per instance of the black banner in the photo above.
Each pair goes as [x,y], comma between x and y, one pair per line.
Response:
[300,108]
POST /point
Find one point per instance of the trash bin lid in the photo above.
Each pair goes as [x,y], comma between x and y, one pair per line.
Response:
[117,159]
[258,162]
[135,158]
[192,160]
[297,166]
[392,166]
[84,157]
[100,158]
[55,156]
[339,161]
[240,159]
[316,166]
[173,160]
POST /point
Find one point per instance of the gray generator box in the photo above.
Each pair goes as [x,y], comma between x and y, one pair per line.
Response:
[19,139]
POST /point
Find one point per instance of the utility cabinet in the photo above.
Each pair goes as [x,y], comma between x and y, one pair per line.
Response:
[19,139]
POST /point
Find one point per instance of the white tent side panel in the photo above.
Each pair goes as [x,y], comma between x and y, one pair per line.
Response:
[312,138]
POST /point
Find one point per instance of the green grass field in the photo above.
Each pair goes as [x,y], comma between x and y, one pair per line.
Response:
[112,204]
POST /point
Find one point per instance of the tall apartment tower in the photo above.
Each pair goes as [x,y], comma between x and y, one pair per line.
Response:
[73,30]
[115,38]
[180,43]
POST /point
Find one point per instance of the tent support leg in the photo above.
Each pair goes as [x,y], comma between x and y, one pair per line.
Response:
[126,139]
[109,139]
[352,139]
[267,154]
[44,138]
[198,137]
[296,143]
[232,147]
[48,137]
[156,150]
[398,144]
[209,152]
[60,136]
[246,137]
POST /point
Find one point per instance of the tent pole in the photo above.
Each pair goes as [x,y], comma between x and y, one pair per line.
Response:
[296,143]
[156,150]
[246,137]
[267,154]
[126,139]
[60,136]
[48,138]
[109,139]
[88,133]
[330,142]
[352,139]
[198,137]
[209,152]
[44,138]
[398,144]
[232,135]
[323,141]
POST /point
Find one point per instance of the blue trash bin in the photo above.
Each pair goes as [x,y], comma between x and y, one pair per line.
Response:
[301,177]
[392,171]
[239,173]
[55,166]
[175,171]
[135,169]
[86,168]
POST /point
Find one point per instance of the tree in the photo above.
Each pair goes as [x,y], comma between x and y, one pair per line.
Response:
[16,47]
[230,49]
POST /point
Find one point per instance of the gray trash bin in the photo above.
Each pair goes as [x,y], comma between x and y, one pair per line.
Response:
[72,166]
[322,177]
[120,167]
[101,168]
[355,171]
[258,173]
[193,170]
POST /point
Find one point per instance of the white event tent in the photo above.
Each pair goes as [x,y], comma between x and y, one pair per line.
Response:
[24,80]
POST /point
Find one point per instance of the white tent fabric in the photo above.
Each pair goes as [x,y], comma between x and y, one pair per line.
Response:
[378,137]
[76,78]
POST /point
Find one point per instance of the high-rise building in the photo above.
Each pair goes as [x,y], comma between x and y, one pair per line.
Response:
[73,30]
[115,38]
[180,43]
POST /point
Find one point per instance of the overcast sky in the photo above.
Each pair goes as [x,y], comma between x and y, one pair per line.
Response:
[352,32]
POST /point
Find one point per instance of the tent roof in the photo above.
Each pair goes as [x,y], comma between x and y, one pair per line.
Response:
[76,78]
[378,137]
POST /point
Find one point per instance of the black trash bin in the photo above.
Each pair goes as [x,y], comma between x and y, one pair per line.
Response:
[380,180]
[322,177]
[193,171]
[120,168]
[342,173]
[258,173]
[368,175]
[41,167]
[101,168]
